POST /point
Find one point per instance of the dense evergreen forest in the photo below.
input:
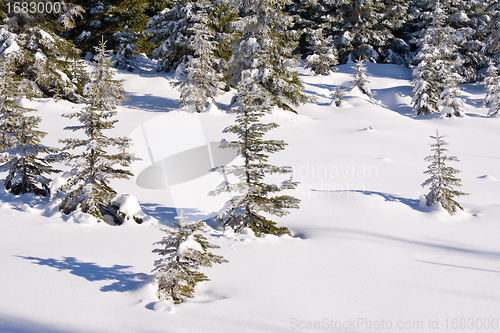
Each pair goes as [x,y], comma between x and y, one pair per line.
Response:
[46,46]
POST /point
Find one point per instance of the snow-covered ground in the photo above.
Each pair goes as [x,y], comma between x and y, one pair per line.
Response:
[366,256]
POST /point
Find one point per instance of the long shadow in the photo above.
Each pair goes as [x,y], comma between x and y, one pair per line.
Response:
[458,266]
[121,278]
[10,324]
[151,103]
[412,203]
[399,240]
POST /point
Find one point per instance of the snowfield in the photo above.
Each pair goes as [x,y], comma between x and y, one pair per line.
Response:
[367,255]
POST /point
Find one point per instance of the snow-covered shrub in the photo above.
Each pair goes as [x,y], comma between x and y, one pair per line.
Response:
[185,250]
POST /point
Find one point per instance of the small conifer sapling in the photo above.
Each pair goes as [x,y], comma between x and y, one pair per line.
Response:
[338,96]
[442,178]
[185,250]
[359,78]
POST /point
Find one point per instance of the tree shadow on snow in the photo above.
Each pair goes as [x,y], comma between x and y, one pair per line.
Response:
[121,278]
[412,203]
[9,324]
[393,99]
[151,103]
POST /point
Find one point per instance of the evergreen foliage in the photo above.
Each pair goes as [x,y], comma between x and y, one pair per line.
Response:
[203,82]
[435,78]
[363,28]
[103,19]
[359,78]
[324,57]
[172,29]
[492,88]
[338,96]
[265,49]
[20,139]
[185,250]
[26,171]
[468,19]
[442,178]
[125,51]
[253,194]
[88,188]
[45,58]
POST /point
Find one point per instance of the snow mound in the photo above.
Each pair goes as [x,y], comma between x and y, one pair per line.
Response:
[163,306]
[131,208]
[27,208]
[83,218]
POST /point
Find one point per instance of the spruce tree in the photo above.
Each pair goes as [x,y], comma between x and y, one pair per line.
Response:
[203,82]
[172,28]
[125,51]
[12,88]
[359,78]
[26,170]
[437,67]
[338,95]
[20,139]
[103,19]
[265,49]
[40,55]
[449,98]
[88,188]
[185,250]
[366,29]
[253,194]
[323,56]
[442,178]
[492,88]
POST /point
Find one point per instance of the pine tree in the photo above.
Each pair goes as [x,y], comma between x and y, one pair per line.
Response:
[366,29]
[38,54]
[185,251]
[338,94]
[243,210]
[324,57]
[265,49]
[173,27]
[449,98]
[103,19]
[437,67]
[492,88]
[11,90]
[490,84]
[125,51]
[359,78]
[469,20]
[442,178]
[203,82]
[88,189]
[25,169]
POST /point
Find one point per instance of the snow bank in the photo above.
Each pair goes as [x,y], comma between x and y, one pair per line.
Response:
[131,208]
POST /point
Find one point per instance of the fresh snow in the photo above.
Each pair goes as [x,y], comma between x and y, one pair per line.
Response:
[365,246]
